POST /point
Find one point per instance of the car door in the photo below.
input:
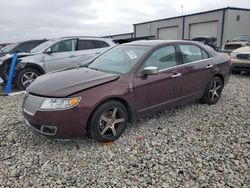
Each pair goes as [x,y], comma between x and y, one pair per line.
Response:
[155,92]
[62,55]
[196,70]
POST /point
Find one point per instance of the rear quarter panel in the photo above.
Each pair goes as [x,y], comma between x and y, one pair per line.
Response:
[222,63]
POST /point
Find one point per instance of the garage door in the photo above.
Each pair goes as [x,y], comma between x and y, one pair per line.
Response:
[168,33]
[203,29]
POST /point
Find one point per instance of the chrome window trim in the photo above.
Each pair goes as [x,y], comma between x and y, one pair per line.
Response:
[183,64]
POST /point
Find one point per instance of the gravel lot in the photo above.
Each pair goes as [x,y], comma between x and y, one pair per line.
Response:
[191,146]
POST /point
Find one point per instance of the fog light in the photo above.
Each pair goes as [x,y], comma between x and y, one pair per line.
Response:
[48,130]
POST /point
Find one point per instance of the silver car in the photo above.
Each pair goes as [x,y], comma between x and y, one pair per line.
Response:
[58,54]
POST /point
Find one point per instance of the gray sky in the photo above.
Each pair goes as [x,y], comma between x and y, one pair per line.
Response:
[31,19]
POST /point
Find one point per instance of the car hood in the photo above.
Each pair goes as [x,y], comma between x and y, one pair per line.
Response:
[66,82]
[20,55]
[245,49]
[243,43]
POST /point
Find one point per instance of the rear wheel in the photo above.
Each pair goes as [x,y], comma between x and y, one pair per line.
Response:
[25,77]
[213,91]
[108,122]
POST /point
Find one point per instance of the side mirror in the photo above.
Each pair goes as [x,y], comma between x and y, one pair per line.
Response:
[48,51]
[152,70]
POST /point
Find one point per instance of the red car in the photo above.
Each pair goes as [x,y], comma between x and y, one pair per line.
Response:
[128,82]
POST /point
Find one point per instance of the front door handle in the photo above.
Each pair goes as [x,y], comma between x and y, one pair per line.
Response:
[71,56]
[175,75]
[209,66]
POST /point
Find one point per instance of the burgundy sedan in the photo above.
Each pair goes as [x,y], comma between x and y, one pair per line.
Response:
[128,82]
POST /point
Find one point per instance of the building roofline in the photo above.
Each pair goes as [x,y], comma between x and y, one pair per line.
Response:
[193,14]
[119,34]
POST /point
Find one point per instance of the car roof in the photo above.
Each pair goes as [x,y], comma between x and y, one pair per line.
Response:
[203,37]
[87,37]
[154,43]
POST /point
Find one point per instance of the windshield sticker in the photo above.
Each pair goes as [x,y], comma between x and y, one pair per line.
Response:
[132,54]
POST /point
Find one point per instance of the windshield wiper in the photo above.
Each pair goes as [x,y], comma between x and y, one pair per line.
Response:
[92,68]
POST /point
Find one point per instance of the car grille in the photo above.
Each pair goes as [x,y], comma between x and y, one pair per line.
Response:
[32,103]
[232,46]
[243,56]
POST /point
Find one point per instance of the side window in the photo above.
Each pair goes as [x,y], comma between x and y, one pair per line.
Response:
[162,58]
[64,46]
[205,54]
[85,45]
[190,53]
[100,44]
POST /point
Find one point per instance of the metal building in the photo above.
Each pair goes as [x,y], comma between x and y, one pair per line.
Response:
[222,24]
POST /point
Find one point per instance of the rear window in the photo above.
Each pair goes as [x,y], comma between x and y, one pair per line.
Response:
[85,45]
[91,44]
[192,53]
[100,44]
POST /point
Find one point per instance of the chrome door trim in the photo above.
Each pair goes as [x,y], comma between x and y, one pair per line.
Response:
[184,64]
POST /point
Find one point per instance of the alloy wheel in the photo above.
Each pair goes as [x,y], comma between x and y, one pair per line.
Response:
[28,77]
[215,90]
[111,122]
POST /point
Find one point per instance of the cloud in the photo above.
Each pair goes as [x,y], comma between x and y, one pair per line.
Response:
[30,19]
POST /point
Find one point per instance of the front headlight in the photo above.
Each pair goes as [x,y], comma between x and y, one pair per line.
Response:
[233,54]
[59,103]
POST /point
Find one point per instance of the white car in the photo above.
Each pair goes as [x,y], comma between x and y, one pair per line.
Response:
[53,55]
[240,59]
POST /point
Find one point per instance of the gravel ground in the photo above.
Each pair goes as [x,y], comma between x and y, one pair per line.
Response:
[191,146]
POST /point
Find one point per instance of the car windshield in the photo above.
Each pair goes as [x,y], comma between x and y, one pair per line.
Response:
[42,46]
[10,47]
[241,38]
[120,59]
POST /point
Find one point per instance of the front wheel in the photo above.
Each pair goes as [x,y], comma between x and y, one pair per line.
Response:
[108,122]
[25,77]
[213,91]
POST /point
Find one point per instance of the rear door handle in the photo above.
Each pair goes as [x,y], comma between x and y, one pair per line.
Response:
[175,75]
[209,66]
[71,56]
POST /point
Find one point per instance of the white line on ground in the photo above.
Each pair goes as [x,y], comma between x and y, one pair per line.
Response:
[16,93]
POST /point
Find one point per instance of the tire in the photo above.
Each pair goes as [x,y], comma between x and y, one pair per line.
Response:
[103,126]
[213,91]
[26,76]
